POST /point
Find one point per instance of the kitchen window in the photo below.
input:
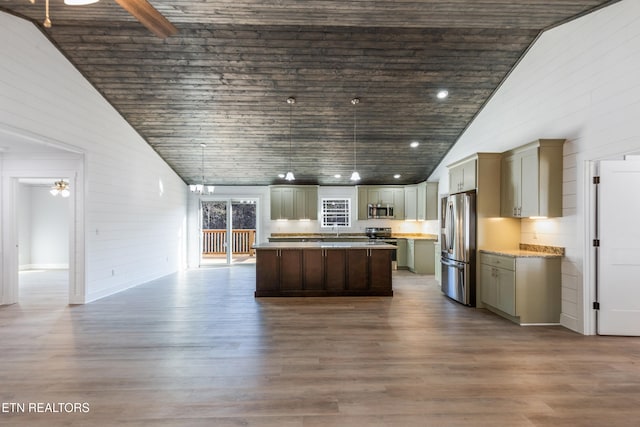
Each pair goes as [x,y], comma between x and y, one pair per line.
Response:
[336,213]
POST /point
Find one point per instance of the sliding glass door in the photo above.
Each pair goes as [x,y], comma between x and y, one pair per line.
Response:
[228,231]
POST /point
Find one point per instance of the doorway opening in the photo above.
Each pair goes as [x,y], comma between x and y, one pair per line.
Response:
[43,234]
[228,231]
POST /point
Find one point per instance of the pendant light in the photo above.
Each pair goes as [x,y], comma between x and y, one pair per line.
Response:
[289,176]
[199,188]
[355,176]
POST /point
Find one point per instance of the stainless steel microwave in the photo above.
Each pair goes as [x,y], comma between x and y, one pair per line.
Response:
[380,211]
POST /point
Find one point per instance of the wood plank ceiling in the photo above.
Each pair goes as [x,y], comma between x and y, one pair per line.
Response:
[223,80]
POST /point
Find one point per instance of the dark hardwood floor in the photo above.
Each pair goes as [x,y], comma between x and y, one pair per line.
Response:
[197,349]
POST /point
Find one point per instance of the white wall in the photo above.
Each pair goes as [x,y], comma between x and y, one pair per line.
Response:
[24,226]
[45,224]
[134,204]
[579,81]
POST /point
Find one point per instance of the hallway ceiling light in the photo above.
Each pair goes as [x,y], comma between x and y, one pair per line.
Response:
[442,94]
[355,176]
[60,187]
[291,100]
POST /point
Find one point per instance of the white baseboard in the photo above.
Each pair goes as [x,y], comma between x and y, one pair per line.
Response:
[25,267]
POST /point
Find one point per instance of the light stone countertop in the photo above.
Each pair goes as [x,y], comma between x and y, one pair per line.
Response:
[519,253]
[346,236]
[432,237]
[323,245]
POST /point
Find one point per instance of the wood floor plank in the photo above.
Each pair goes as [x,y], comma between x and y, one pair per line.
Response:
[197,349]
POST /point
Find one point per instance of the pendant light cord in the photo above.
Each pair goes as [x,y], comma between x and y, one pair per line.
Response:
[355,127]
[290,134]
[355,102]
[291,100]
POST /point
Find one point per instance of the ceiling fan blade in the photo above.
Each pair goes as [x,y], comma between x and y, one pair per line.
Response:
[149,17]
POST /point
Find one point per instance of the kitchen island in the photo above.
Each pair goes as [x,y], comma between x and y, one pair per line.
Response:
[323,269]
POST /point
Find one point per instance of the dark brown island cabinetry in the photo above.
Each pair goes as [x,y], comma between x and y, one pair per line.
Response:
[317,269]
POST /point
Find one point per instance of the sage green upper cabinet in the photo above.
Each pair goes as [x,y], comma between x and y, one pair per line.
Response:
[411,206]
[421,201]
[427,201]
[398,202]
[282,203]
[383,195]
[531,181]
[306,202]
[294,202]
[363,201]
[462,176]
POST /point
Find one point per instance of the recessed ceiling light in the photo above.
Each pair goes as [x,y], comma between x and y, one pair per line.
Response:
[280,175]
[442,94]
[337,175]
[396,176]
[414,144]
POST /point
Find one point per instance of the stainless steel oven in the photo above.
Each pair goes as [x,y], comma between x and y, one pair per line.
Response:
[383,235]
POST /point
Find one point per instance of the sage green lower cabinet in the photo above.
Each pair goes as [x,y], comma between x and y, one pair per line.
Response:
[401,253]
[437,254]
[523,289]
[420,256]
[411,255]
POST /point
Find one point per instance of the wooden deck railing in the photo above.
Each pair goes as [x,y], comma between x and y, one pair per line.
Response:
[213,242]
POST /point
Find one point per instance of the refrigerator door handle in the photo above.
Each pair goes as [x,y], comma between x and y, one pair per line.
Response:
[449,228]
[452,263]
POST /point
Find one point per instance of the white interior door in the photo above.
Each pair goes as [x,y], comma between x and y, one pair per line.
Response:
[619,225]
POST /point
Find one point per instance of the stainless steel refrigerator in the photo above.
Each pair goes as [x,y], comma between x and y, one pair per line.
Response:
[458,240]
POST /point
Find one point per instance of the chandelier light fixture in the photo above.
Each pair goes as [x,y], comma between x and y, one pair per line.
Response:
[291,100]
[355,176]
[47,19]
[60,187]
[199,188]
